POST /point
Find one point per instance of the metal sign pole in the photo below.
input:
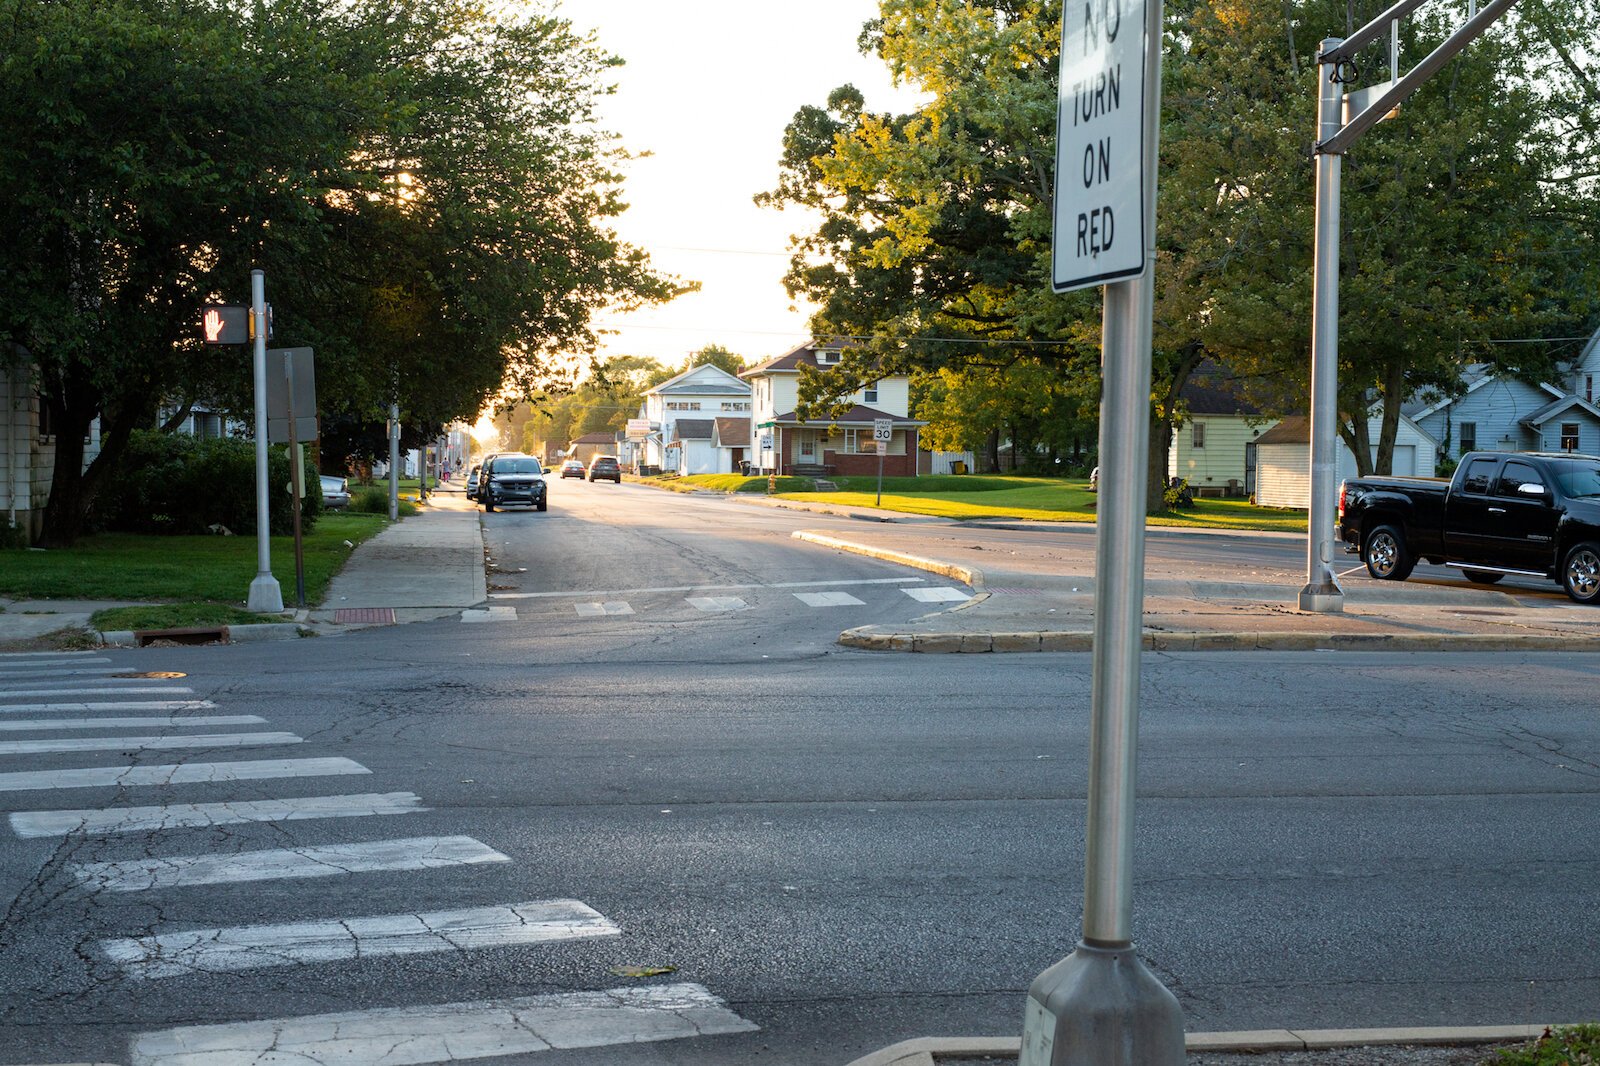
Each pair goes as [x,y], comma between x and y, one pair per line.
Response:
[265,595]
[297,485]
[394,462]
[1100,1006]
[1322,593]
[879,501]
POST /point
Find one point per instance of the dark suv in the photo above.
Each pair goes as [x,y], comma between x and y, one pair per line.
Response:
[605,468]
[513,478]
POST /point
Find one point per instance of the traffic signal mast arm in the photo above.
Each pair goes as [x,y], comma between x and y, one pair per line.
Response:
[1397,93]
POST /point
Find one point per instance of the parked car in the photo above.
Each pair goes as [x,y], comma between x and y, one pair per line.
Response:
[472,481]
[513,478]
[1536,514]
[335,492]
[572,468]
[605,468]
[475,488]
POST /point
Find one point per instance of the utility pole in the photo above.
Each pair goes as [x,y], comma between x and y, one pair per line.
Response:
[1335,135]
[394,462]
[265,595]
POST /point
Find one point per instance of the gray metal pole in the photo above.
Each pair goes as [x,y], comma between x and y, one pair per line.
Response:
[265,595]
[394,462]
[1322,593]
[1101,1006]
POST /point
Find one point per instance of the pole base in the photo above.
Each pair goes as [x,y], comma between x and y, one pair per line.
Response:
[1101,1006]
[1322,599]
[265,595]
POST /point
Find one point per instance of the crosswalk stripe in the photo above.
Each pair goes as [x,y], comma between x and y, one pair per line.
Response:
[150,743]
[718,603]
[828,599]
[936,595]
[411,853]
[177,774]
[203,815]
[7,665]
[252,947]
[451,1032]
[131,688]
[18,725]
[133,705]
[51,670]
[610,608]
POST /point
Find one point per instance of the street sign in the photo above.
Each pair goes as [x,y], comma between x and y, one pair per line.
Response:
[1099,190]
[883,429]
[638,428]
[291,386]
[225,324]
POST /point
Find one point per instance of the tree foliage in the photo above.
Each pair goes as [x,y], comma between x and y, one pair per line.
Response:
[1464,223]
[422,182]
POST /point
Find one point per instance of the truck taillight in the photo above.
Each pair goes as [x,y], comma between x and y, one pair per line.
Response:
[1344,487]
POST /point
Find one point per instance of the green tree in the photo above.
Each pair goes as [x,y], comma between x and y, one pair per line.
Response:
[717,356]
[423,183]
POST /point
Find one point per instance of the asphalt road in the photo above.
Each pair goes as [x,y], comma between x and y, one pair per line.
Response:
[844,849]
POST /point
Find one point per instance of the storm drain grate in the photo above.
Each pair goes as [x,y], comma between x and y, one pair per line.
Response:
[383,616]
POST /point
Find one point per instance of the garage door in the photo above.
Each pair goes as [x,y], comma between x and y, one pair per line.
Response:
[1405,460]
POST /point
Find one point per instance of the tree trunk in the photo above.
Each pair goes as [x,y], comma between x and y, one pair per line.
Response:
[1354,435]
[1393,386]
[1162,416]
[991,452]
[71,491]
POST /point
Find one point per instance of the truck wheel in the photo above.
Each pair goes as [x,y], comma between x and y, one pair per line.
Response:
[488,505]
[1580,574]
[543,505]
[1385,554]
[1482,577]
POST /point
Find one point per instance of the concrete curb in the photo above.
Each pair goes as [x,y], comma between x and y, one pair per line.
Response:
[240,634]
[926,1051]
[870,639]
[967,575]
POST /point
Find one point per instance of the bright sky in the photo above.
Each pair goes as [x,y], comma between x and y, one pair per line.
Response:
[708,88]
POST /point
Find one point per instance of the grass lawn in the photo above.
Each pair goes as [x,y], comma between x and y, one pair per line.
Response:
[971,496]
[174,616]
[127,566]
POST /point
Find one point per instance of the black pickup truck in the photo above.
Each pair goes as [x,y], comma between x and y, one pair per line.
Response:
[1503,513]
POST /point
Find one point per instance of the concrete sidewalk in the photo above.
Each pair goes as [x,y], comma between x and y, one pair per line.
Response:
[1034,590]
[428,566]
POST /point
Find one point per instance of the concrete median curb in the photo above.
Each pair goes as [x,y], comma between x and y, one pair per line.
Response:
[967,575]
[927,1051]
[869,638]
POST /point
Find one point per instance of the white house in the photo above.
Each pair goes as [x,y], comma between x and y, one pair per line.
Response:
[700,394]
[28,453]
[1215,447]
[1283,467]
[783,444]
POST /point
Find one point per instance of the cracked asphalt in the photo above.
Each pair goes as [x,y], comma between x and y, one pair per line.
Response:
[848,849]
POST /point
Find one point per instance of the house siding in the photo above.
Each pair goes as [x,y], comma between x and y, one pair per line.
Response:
[1495,409]
[1222,460]
[1283,471]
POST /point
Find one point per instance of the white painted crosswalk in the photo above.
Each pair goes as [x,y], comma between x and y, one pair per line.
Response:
[253,947]
[81,708]
[451,1032]
[608,609]
[828,599]
[147,743]
[410,853]
[177,773]
[202,815]
[937,595]
[34,725]
[718,603]
[38,709]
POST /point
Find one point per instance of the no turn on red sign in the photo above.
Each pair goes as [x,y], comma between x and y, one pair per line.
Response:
[1099,190]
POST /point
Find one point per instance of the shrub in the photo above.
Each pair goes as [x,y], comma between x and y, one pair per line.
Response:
[173,483]
[374,499]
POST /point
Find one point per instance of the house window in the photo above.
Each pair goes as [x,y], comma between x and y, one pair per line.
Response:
[1198,435]
[1569,436]
[870,394]
[729,406]
[859,442]
[1588,387]
[683,405]
[1469,437]
[827,356]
